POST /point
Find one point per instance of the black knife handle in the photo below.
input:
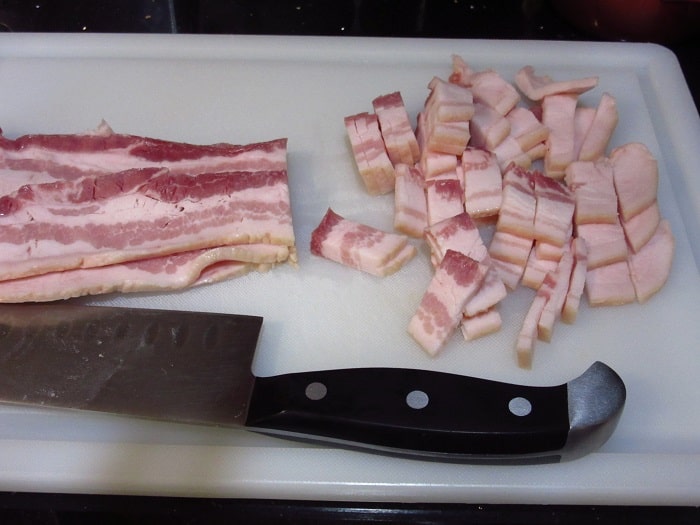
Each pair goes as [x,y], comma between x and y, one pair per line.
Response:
[411,411]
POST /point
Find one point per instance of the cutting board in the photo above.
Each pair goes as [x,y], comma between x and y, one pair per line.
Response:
[243,89]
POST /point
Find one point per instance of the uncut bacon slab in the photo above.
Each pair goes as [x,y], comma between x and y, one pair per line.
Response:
[440,310]
[360,246]
[138,213]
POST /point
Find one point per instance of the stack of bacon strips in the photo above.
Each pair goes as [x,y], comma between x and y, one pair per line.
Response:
[584,221]
[103,212]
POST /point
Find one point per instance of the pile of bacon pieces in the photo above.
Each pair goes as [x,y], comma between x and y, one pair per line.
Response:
[586,220]
[102,212]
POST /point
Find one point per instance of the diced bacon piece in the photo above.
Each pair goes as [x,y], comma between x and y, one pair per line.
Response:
[509,152]
[434,164]
[605,242]
[583,120]
[526,128]
[491,292]
[537,269]
[440,310]
[447,112]
[444,197]
[483,183]
[488,128]
[550,252]
[491,89]
[395,126]
[538,87]
[601,129]
[410,207]
[360,246]
[610,285]
[373,163]
[481,325]
[166,273]
[558,115]
[527,337]
[578,281]
[510,248]
[461,72]
[458,233]
[554,211]
[556,297]
[510,273]
[537,152]
[636,177]
[594,191]
[640,228]
[517,215]
[651,265]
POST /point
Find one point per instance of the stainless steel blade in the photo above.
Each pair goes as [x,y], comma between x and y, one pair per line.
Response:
[188,367]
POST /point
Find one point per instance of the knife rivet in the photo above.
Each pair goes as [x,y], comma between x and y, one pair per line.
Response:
[417,399]
[316,391]
[519,406]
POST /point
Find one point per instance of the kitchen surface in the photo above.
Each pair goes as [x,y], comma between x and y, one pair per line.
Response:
[647,54]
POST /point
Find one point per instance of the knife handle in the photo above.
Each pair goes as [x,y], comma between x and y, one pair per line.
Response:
[414,412]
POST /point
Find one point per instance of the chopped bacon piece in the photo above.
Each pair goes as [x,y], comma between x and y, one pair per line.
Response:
[440,311]
[527,337]
[360,246]
[493,90]
[550,252]
[583,119]
[601,129]
[410,207]
[447,112]
[483,183]
[640,228]
[433,164]
[537,269]
[594,191]
[526,128]
[444,196]
[373,163]
[606,243]
[399,138]
[636,177]
[488,128]
[481,325]
[556,296]
[461,72]
[509,152]
[554,211]
[558,113]
[651,265]
[517,215]
[578,281]
[491,292]
[510,273]
[510,248]
[538,87]
[610,285]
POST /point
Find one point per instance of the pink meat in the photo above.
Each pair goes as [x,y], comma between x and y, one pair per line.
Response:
[538,87]
[491,292]
[491,89]
[554,211]
[517,215]
[434,164]
[527,337]
[360,246]
[447,112]
[399,138]
[636,177]
[583,119]
[640,228]
[598,136]
[440,310]
[488,128]
[510,152]
[610,285]
[141,213]
[537,269]
[526,128]
[510,273]
[605,242]
[373,163]
[483,185]
[651,265]
[410,207]
[578,281]
[594,191]
[558,113]
[510,248]
[444,197]
[481,325]
[556,296]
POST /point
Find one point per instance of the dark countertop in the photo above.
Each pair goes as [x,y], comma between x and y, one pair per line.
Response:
[497,19]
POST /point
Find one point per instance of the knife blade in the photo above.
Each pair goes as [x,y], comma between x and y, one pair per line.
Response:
[196,367]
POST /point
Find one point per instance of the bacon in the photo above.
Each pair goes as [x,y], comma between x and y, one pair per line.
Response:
[636,178]
[434,164]
[492,90]
[651,265]
[606,243]
[610,285]
[509,152]
[538,87]
[360,246]
[526,129]
[640,228]
[558,115]
[578,281]
[517,215]
[488,128]
[583,120]
[556,296]
[554,211]
[527,337]
[440,311]
[594,191]
[481,325]
[410,207]
[444,196]
[537,269]
[600,130]
[372,161]
[483,184]
[447,112]
[399,138]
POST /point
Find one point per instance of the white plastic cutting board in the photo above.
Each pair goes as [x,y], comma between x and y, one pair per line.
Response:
[244,89]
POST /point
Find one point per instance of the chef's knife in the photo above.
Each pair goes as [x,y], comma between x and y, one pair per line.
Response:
[196,367]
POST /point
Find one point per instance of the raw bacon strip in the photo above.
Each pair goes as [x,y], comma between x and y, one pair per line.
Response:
[34,159]
[142,213]
[360,246]
[538,87]
[554,211]
[517,215]
[610,285]
[651,265]
[488,128]
[444,196]
[558,115]
[640,228]
[410,207]
[601,129]
[167,273]
[399,138]
[447,112]
[373,163]
[578,281]
[636,177]
[594,191]
[606,243]
[481,325]
[440,310]
[483,183]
